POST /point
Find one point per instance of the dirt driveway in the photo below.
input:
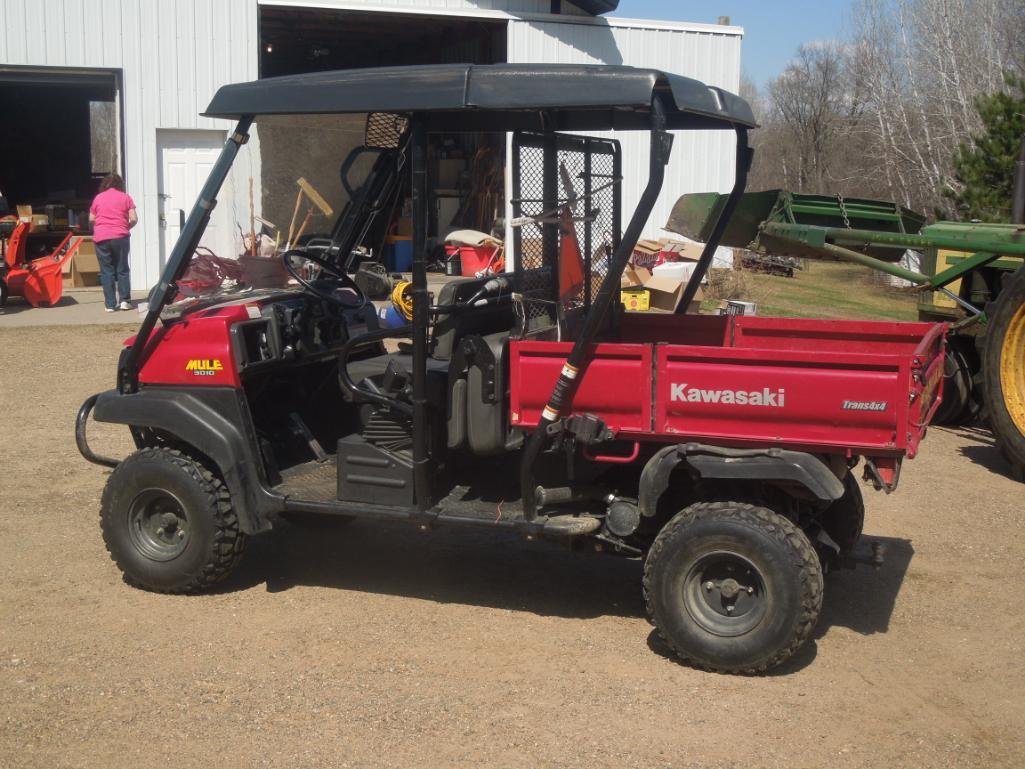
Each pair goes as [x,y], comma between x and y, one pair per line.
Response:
[380,646]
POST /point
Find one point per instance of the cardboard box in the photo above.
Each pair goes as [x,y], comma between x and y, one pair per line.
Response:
[643,292]
[404,226]
[449,172]
[635,299]
[85,267]
[678,251]
[645,254]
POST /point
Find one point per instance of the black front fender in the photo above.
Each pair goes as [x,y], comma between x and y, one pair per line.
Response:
[773,465]
[212,420]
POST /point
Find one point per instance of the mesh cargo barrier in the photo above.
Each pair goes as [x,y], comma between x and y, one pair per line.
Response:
[566,199]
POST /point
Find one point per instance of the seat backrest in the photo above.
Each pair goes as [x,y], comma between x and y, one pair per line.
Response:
[451,327]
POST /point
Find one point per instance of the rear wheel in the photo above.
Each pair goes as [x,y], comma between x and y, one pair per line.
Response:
[733,587]
[1004,371]
[844,519]
[168,523]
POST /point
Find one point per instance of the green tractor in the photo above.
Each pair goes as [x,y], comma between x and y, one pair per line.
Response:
[971,276]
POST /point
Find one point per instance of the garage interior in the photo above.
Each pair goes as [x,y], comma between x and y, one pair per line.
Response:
[61,136]
[463,168]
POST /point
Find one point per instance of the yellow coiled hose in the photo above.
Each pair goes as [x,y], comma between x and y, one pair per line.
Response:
[402,298]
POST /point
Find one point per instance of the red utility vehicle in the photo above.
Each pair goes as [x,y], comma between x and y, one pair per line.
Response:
[721,450]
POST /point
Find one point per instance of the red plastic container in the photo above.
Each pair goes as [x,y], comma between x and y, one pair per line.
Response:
[477,261]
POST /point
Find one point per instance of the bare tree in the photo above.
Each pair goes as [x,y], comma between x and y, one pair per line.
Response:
[922,64]
[809,102]
[881,114]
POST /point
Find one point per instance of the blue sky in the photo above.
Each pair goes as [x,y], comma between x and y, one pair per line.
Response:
[773,29]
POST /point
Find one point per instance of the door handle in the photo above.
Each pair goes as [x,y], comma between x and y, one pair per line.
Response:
[181,218]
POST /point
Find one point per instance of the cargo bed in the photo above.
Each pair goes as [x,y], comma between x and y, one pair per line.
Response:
[849,387]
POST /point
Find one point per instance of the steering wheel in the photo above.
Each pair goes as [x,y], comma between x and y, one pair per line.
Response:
[341,280]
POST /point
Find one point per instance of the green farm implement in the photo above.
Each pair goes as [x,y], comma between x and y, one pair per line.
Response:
[972,276]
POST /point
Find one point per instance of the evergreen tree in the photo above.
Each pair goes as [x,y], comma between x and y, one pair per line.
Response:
[985,168]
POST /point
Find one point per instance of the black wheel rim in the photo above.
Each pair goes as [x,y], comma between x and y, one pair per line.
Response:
[158,524]
[725,594]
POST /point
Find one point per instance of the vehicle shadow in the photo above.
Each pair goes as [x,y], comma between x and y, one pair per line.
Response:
[501,570]
[16,304]
[981,449]
[863,599]
[494,569]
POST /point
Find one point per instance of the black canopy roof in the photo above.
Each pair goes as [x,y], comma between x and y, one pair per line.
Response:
[596,6]
[482,97]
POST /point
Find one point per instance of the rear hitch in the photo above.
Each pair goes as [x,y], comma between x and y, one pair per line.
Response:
[872,556]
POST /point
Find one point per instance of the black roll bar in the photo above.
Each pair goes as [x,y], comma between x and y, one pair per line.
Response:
[421,300]
[188,239]
[743,164]
[562,394]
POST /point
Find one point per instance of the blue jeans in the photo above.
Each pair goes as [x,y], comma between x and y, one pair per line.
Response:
[113,258]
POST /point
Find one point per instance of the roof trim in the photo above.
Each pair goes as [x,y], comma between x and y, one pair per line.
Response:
[483,13]
[596,96]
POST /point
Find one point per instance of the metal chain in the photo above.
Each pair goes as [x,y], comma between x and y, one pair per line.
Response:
[843,210]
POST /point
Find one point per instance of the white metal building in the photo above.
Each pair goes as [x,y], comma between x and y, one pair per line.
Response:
[160,61]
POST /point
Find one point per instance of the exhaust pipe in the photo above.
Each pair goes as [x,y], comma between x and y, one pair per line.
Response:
[1018,198]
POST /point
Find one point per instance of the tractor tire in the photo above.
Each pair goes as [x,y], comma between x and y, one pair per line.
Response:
[844,519]
[1003,369]
[957,388]
[168,523]
[733,587]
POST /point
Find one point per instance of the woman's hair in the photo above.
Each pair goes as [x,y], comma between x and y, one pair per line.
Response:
[112,180]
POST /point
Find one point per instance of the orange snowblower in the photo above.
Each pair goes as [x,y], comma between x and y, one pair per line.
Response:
[40,280]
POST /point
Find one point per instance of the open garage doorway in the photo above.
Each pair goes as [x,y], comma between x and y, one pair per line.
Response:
[61,135]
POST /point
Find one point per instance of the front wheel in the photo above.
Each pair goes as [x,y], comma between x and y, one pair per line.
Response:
[733,587]
[168,523]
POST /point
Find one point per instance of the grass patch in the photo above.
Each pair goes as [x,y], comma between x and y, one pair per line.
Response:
[828,290]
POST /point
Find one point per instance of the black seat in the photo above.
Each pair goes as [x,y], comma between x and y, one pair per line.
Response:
[449,328]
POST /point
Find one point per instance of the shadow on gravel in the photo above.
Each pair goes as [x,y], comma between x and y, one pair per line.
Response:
[500,570]
[862,599]
[16,304]
[982,450]
[447,565]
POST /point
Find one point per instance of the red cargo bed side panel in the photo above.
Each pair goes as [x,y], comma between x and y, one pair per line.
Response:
[616,384]
[827,336]
[781,397]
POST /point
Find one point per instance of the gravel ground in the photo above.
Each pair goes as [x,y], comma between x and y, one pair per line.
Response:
[377,645]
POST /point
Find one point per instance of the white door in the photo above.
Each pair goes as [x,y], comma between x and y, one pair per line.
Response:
[185,160]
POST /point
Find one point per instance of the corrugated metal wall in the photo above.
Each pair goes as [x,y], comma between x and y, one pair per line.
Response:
[701,160]
[173,55]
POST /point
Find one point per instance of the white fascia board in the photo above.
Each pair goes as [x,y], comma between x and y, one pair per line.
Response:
[481,13]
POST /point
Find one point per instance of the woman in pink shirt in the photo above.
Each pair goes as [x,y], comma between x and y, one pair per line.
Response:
[112,215]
